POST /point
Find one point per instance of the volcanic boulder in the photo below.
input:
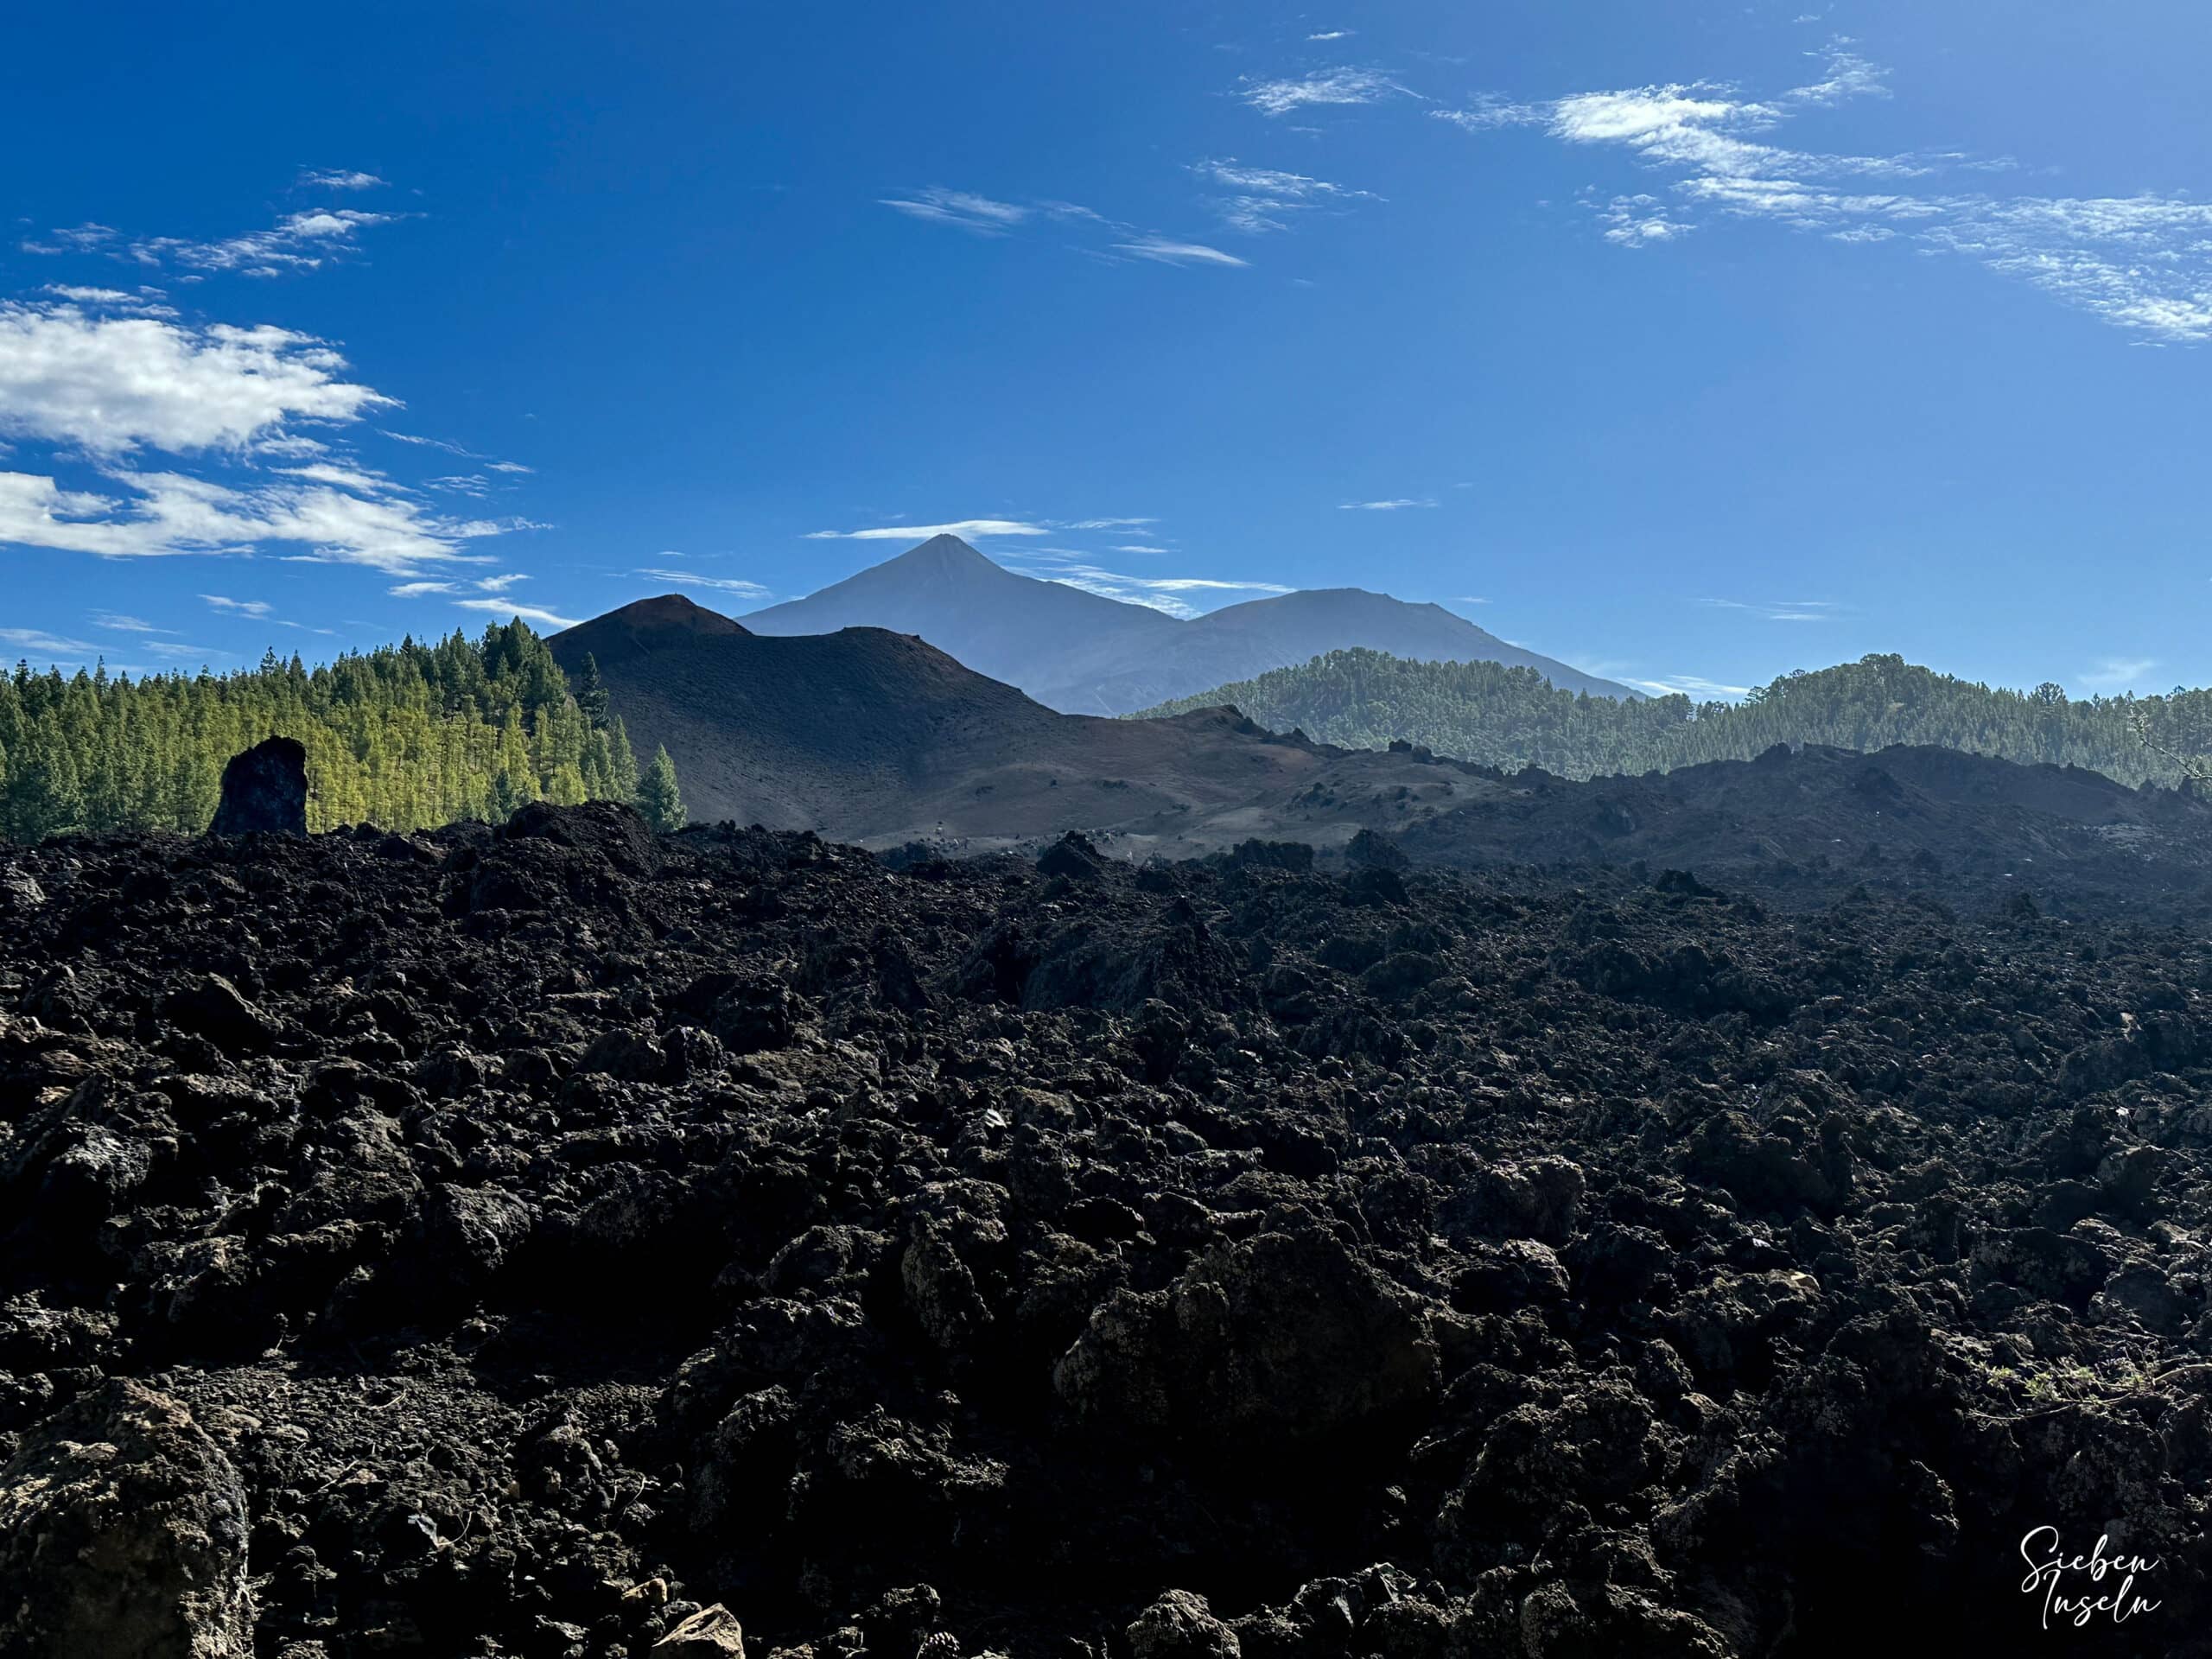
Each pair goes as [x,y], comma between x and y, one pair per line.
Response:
[123,1533]
[1287,1334]
[265,791]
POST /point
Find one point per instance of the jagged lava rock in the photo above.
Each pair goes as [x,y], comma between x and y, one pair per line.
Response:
[123,1533]
[265,791]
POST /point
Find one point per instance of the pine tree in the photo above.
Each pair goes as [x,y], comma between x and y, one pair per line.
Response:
[658,797]
[405,736]
[592,695]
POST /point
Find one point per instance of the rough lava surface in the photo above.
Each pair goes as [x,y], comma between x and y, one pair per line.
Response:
[556,1241]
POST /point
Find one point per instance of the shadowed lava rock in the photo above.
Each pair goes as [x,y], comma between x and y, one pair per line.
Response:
[547,1240]
[265,791]
[123,1533]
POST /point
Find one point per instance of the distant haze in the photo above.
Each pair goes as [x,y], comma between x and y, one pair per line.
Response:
[1081,653]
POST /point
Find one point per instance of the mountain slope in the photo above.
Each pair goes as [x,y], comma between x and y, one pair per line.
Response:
[1077,651]
[879,737]
[1242,640]
[1010,627]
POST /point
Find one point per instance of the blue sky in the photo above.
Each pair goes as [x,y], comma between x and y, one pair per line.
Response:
[1689,345]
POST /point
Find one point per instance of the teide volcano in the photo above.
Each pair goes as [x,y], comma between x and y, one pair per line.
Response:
[1079,651]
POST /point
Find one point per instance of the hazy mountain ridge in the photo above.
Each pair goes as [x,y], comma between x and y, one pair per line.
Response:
[1081,653]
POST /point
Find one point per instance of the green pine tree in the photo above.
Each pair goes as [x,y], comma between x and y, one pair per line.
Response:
[659,798]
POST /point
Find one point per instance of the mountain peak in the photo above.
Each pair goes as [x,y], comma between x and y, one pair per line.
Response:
[945,552]
[647,624]
[671,612]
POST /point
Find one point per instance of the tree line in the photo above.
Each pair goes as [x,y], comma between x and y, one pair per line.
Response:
[1513,718]
[408,736]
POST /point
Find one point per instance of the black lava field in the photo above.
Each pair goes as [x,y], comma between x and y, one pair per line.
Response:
[553,1242]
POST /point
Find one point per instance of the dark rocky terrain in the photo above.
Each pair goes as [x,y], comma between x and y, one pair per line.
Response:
[555,1242]
[1086,654]
[881,740]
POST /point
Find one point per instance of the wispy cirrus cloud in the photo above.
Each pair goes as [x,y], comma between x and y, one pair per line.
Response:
[1073,568]
[1323,87]
[238,606]
[986,216]
[2117,673]
[338,178]
[143,303]
[737,586]
[1784,610]
[1693,686]
[300,241]
[39,641]
[972,528]
[1267,199]
[500,607]
[963,528]
[1167,252]
[2140,262]
[962,209]
[1395,504]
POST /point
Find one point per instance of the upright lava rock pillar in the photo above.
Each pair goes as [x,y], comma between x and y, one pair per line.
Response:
[264,789]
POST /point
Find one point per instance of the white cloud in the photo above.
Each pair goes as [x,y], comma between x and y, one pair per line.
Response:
[239,606]
[146,302]
[1489,111]
[111,384]
[417,439]
[1169,252]
[1638,221]
[116,623]
[1328,87]
[170,513]
[302,241]
[962,208]
[36,640]
[88,238]
[1332,34]
[511,466]
[1393,505]
[1783,610]
[333,178]
[1266,195]
[1848,75]
[1166,594]
[527,612]
[360,479]
[2116,673]
[497,584]
[964,528]
[420,589]
[1692,686]
[720,584]
[2140,262]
